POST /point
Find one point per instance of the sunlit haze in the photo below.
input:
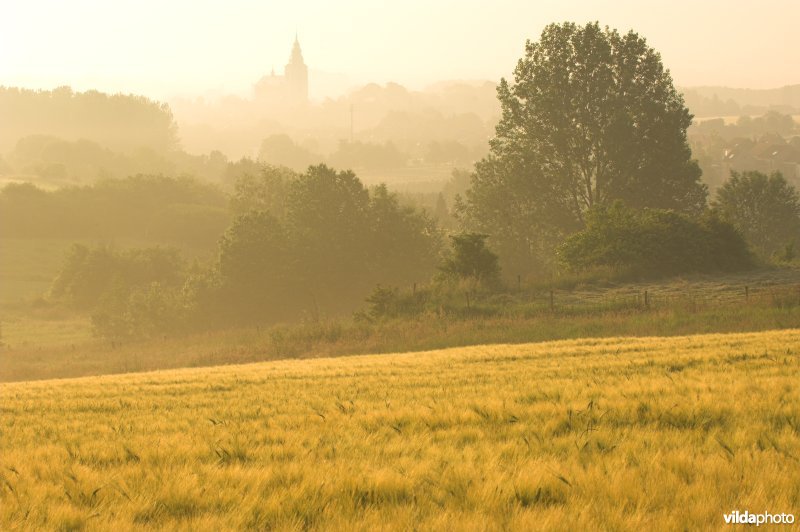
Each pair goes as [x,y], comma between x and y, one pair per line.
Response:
[165,49]
[399,265]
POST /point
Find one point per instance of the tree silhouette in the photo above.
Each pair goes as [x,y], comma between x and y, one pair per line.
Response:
[591,116]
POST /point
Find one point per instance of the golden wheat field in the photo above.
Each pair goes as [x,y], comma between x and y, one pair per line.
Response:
[614,434]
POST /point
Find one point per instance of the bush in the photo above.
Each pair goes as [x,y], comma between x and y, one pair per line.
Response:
[383,302]
[88,274]
[134,293]
[139,312]
[654,242]
[472,260]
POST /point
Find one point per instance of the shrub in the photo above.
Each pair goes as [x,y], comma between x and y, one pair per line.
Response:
[88,274]
[654,242]
[134,293]
[139,312]
[471,259]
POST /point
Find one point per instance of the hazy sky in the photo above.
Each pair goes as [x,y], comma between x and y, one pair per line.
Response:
[164,48]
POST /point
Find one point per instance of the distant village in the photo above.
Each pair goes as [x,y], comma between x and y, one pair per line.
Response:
[769,143]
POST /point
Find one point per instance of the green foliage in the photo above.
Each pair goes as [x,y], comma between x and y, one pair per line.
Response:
[299,246]
[147,207]
[134,293]
[787,254]
[89,274]
[766,209]
[281,150]
[118,122]
[771,123]
[256,271]
[404,242]
[592,116]
[56,161]
[62,137]
[471,259]
[330,226]
[317,243]
[139,311]
[203,304]
[262,188]
[655,242]
[383,302]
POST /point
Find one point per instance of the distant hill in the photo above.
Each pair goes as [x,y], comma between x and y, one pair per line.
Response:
[118,122]
[721,101]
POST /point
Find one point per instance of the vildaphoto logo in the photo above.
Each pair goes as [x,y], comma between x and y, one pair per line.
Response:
[746,518]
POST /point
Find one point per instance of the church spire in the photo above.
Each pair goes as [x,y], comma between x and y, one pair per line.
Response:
[296,72]
[297,54]
[292,87]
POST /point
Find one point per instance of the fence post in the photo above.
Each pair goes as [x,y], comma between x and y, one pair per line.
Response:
[646,300]
[552,301]
[747,293]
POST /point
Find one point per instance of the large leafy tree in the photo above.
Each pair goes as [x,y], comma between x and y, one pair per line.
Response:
[256,267]
[318,242]
[591,116]
[766,209]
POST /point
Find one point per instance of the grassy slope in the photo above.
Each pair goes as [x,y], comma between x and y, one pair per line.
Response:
[44,341]
[42,349]
[655,433]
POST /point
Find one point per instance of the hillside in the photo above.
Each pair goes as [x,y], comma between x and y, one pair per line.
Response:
[584,434]
[48,341]
[788,95]
[722,101]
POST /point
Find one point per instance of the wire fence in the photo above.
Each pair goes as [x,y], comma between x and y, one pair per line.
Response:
[759,296]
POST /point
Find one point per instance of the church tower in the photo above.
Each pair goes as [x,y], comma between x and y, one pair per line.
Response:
[296,74]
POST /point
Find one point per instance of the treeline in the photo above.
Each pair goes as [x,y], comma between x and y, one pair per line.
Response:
[771,123]
[144,207]
[299,246]
[62,137]
[319,244]
[726,101]
[281,150]
[57,162]
[119,122]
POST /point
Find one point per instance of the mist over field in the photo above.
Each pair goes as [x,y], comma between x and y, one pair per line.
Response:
[436,266]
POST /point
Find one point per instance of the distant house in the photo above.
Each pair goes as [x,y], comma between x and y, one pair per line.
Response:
[766,155]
